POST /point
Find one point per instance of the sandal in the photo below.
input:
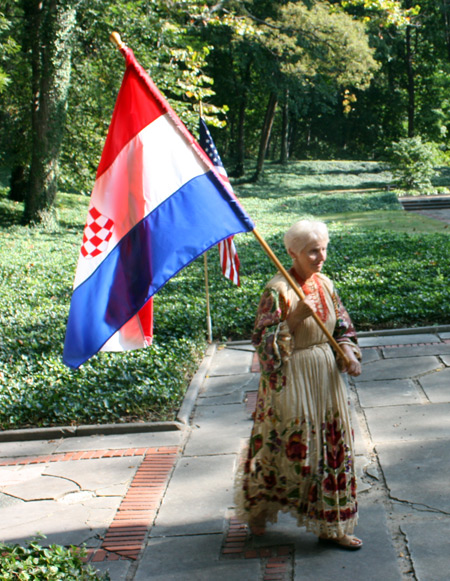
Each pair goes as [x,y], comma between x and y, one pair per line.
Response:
[348,542]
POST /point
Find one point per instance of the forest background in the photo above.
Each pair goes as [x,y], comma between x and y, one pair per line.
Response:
[288,89]
[278,80]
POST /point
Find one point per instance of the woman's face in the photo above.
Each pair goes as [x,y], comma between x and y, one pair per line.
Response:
[311,259]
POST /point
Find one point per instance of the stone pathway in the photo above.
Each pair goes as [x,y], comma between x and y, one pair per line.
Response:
[159,505]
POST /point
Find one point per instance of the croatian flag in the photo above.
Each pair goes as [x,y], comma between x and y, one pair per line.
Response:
[157,204]
[229,260]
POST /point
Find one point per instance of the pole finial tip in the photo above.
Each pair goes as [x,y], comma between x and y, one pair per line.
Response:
[115,37]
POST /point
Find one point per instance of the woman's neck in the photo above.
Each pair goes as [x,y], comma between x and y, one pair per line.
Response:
[305,276]
[300,275]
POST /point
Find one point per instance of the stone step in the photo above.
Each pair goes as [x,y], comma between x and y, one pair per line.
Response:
[431,203]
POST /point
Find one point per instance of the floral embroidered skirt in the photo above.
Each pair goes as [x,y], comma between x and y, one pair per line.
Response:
[300,454]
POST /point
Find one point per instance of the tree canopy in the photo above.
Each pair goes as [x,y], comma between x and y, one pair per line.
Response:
[277,80]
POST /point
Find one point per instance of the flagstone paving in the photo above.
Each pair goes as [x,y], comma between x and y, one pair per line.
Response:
[159,505]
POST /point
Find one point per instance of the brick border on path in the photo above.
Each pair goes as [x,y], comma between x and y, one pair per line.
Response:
[126,535]
[277,560]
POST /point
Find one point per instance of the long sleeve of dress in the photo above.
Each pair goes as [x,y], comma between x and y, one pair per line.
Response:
[344,332]
[271,336]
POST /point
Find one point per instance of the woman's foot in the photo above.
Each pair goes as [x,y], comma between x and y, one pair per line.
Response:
[257,525]
[348,542]
[257,530]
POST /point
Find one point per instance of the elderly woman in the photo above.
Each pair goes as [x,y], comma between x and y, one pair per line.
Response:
[300,456]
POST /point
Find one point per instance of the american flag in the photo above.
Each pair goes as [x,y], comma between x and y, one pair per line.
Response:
[229,259]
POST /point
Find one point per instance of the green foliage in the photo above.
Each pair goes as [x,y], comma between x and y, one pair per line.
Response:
[413,164]
[388,12]
[52,563]
[321,40]
[8,46]
[307,52]
[390,280]
[37,266]
[166,38]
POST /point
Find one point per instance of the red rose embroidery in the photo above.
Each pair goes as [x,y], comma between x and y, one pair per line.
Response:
[334,434]
[353,487]
[331,515]
[256,444]
[329,484]
[295,449]
[342,481]
[335,457]
[270,480]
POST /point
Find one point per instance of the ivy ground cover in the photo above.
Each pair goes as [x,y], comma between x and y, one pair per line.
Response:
[391,268]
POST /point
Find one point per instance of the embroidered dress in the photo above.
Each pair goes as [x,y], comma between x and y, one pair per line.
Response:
[300,455]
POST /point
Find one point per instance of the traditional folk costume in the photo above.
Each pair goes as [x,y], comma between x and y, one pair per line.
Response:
[300,456]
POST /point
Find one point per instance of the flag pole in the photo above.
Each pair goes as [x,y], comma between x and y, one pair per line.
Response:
[205,260]
[298,291]
[208,312]
[115,37]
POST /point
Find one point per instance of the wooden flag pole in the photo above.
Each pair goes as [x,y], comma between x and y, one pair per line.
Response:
[298,291]
[205,256]
[208,312]
[115,37]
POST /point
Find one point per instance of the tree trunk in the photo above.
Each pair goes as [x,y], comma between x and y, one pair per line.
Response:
[51,27]
[240,143]
[265,135]
[445,6]
[411,87]
[284,154]
[18,184]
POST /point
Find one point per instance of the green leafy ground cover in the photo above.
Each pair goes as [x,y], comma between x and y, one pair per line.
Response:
[391,268]
[52,563]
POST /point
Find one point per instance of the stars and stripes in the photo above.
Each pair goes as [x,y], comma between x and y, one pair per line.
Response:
[229,259]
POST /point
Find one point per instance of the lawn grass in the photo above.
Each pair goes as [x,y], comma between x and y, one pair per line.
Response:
[391,268]
[408,222]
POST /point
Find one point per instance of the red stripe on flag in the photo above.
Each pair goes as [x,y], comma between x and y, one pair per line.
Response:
[133,111]
[146,320]
[229,260]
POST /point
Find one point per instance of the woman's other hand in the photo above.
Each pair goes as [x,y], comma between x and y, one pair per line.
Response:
[352,366]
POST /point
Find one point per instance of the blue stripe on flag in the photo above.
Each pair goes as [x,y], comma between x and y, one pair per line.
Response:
[198,216]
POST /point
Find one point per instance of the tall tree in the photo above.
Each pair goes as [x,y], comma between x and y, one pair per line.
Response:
[410,75]
[51,25]
[312,44]
[14,99]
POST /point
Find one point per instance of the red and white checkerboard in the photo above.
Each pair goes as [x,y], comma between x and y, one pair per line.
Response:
[97,233]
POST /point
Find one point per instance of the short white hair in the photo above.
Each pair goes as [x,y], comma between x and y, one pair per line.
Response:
[303,233]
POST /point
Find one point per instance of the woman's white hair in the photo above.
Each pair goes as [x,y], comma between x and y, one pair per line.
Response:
[303,233]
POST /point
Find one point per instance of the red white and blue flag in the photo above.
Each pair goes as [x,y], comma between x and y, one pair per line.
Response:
[229,260]
[157,204]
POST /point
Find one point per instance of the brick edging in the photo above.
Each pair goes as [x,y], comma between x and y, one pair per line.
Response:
[129,529]
[276,560]
[81,455]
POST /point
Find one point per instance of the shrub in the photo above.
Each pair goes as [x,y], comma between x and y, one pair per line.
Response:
[412,164]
